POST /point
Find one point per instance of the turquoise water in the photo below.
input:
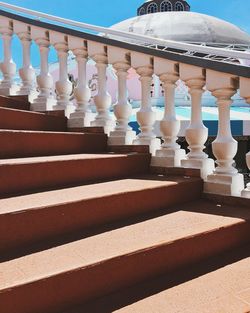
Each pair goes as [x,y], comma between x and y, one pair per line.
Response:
[185,112]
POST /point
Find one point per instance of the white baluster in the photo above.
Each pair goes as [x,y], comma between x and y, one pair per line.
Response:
[45,100]
[170,153]
[146,116]
[8,67]
[245,93]
[83,116]
[196,134]
[102,99]
[64,87]
[225,179]
[27,72]
[123,133]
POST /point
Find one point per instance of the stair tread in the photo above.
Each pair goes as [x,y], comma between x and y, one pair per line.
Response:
[185,223]
[17,131]
[74,194]
[46,159]
[224,290]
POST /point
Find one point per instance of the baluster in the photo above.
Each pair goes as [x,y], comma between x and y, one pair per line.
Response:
[196,134]
[64,87]
[225,179]
[146,116]
[98,53]
[8,67]
[83,116]
[245,93]
[170,153]
[45,100]
[27,72]
[123,133]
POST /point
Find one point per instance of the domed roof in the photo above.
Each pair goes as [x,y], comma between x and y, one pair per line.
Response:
[185,26]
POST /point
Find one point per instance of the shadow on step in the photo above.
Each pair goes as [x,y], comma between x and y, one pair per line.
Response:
[81,234]
[123,298]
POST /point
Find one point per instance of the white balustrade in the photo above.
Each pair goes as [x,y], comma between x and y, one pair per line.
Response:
[170,154]
[103,99]
[64,88]
[222,179]
[8,67]
[83,116]
[225,179]
[245,93]
[45,100]
[123,133]
[196,134]
[27,72]
[146,117]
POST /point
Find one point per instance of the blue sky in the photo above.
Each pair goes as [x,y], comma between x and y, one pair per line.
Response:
[109,12]
[106,13]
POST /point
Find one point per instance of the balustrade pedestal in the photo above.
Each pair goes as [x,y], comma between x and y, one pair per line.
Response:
[103,99]
[45,101]
[82,117]
[225,179]
[8,87]
[123,133]
[170,154]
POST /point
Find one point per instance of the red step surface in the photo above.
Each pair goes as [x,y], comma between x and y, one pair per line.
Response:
[18,144]
[28,175]
[14,103]
[28,219]
[56,279]
[26,120]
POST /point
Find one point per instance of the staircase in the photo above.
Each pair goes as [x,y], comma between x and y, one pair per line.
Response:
[85,227]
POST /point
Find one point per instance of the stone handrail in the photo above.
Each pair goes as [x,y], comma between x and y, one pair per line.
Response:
[222,79]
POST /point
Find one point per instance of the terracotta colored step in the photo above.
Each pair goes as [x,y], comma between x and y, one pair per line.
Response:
[17,144]
[13,103]
[27,175]
[26,120]
[87,130]
[83,270]
[224,290]
[220,284]
[27,219]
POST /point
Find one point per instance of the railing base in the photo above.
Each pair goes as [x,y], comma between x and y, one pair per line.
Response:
[153,143]
[246,192]
[80,119]
[9,91]
[224,184]
[41,104]
[206,166]
[168,158]
[121,137]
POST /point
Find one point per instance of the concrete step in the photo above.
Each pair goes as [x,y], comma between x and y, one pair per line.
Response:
[26,220]
[218,285]
[26,120]
[19,144]
[26,175]
[56,279]
[14,103]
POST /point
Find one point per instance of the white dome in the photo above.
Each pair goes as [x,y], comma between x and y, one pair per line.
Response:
[185,26]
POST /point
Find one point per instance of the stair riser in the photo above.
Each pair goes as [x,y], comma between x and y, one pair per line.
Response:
[6,102]
[18,120]
[26,178]
[37,225]
[60,292]
[18,145]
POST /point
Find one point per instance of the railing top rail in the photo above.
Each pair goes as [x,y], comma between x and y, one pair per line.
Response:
[235,69]
[131,36]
